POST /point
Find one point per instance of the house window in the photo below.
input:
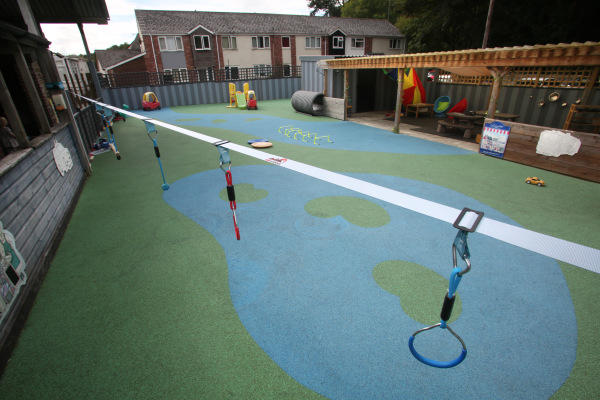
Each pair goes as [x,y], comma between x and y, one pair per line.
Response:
[396,44]
[202,42]
[338,42]
[229,42]
[313,42]
[358,43]
[170,43]
[285,42]
[261,42]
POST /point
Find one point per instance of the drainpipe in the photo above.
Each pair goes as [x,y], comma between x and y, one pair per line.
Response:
[218,54]
[154,53]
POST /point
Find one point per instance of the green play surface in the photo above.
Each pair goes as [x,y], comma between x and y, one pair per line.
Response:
[137,303]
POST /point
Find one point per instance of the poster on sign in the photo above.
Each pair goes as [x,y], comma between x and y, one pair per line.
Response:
[494,138]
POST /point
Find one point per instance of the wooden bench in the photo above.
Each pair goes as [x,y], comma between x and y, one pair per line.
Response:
[419,108]
[445,126]
[522,148]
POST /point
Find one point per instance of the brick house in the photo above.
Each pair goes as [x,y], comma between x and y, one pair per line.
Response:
[117,61]
[179,41]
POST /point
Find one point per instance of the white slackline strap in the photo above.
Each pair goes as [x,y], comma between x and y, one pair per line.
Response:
[562,250]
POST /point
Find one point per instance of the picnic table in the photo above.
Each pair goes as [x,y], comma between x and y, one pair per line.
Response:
[502,116]
[460,121]
[419,108]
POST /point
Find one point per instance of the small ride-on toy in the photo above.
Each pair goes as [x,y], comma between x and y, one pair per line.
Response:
[251,104]
[150,102]
[532,180]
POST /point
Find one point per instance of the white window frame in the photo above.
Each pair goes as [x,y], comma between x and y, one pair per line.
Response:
[338,42]
[395,44]
[232,40]
[164,44]
[289,41]
[358,43]
[204,40]
[313,42]
[261,42]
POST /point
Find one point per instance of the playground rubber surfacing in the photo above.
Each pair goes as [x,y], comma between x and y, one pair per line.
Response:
[328,283]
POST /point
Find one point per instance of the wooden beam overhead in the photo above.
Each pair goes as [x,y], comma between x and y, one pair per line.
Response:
[555,55]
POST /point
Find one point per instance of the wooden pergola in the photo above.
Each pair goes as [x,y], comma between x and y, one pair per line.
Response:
[491,61]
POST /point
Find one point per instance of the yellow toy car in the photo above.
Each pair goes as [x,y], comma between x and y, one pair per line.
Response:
[532,180]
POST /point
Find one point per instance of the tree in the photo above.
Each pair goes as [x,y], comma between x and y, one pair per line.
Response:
[433,25]
[377,9]
[331,8]
[123,46]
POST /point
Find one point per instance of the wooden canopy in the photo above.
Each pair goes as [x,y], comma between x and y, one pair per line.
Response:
[491,61]
[480,59]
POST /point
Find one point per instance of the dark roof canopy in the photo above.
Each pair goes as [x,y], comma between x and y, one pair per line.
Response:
[56,11]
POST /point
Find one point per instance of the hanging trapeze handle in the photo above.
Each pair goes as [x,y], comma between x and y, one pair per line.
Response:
[435,363]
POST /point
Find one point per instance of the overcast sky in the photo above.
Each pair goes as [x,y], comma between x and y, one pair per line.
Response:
[122,28]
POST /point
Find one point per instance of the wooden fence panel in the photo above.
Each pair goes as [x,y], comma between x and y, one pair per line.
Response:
[522,144]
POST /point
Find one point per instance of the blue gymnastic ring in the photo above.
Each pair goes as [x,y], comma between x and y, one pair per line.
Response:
[435,363]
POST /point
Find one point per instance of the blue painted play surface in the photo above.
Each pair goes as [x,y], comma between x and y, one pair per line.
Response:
[338,135]
[304,288]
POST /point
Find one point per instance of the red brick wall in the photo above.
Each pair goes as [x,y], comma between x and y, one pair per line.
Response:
[216,45]
[136,65]
[293,48]
[276,51]
[188,49]
[151,44]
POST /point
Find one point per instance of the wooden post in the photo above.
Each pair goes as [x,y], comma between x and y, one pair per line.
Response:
[399,95]
[488,24]
[346,84]
[91,66]
[32,92]
[589,86]
[82,152]
[12,115]
[325,81]
[495,93]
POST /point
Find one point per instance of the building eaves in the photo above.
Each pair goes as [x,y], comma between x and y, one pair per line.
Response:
[111,58]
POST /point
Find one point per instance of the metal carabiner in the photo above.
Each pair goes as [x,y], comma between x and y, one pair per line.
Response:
[461,247]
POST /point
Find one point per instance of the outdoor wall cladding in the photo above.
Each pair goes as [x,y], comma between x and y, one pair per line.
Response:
[200,93]
[35,203]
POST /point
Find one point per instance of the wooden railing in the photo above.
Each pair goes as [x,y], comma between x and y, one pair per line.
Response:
[559,77]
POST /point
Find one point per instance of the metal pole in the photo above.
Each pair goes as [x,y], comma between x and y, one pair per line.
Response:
[90,63]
